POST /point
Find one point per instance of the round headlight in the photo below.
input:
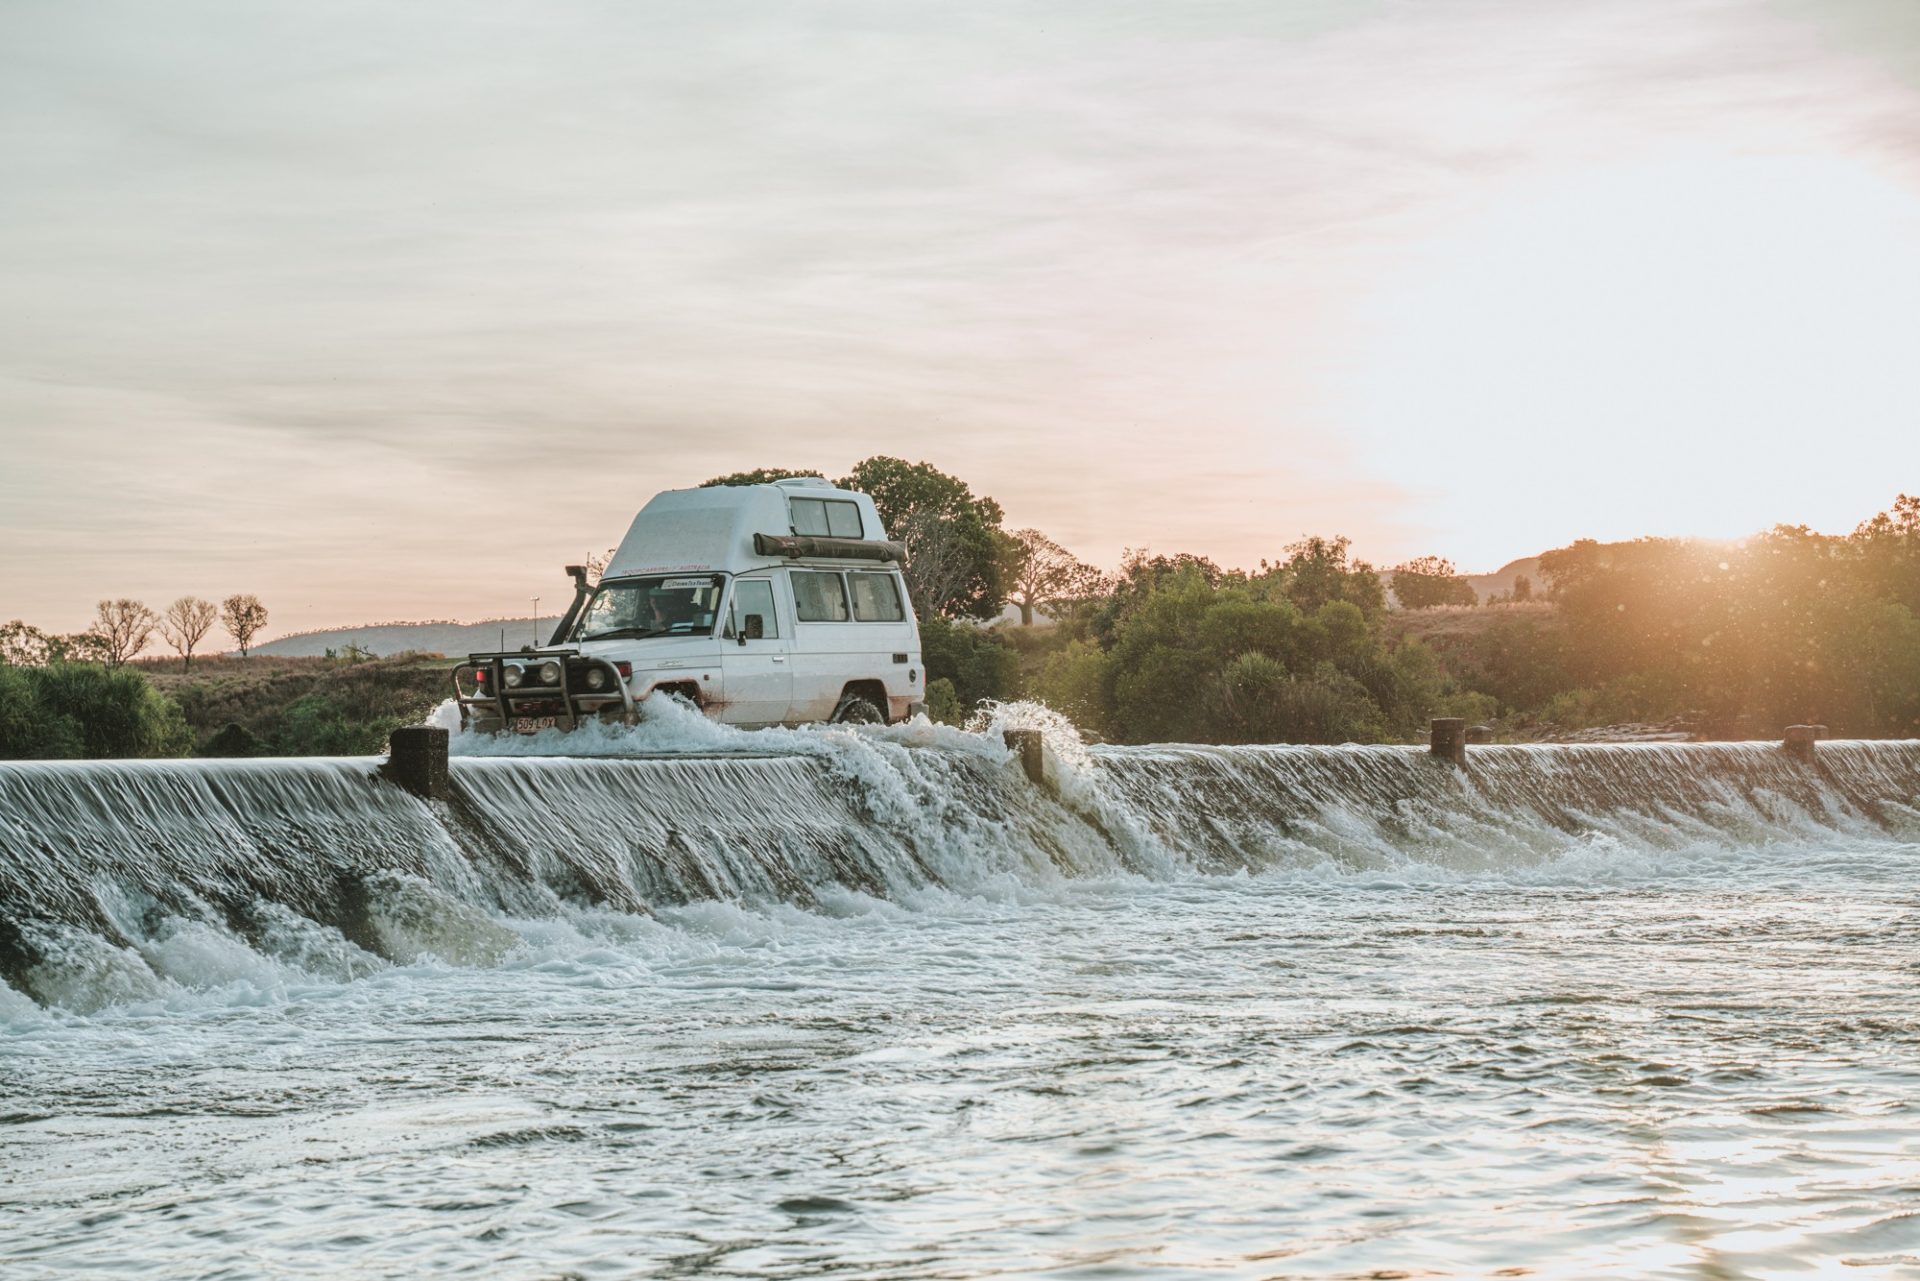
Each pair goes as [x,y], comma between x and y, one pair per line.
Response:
[549,673]
[596,678]
[515,674]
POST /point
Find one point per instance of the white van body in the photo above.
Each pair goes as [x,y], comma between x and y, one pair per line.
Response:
[769,604]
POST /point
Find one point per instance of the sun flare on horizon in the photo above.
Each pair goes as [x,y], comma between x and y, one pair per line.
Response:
[1637,330]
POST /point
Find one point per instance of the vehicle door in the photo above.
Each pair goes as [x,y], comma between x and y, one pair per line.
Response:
[890,648]
[827,647]
[754,655]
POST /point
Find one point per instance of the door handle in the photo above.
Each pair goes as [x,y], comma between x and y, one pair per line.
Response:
[779,658]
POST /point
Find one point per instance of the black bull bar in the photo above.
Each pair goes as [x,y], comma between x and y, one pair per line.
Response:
[481,690]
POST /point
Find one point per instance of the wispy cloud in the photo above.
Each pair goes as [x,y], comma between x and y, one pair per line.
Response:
[285,273]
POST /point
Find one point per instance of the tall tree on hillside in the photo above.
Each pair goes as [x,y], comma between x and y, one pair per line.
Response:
[123,628]
[1318,570]
[1429,581]
[185,624]
[1039,573]
[243,616]
[953,552]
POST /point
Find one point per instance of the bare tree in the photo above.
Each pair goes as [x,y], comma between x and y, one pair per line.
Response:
[597,564]
[1041,572]
[243,616]
[941,563]
[185,623]
[123,628]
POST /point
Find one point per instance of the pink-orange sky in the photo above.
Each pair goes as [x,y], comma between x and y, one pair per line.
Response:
[385,311]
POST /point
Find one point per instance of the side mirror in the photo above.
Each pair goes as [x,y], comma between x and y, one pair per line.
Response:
[752,627]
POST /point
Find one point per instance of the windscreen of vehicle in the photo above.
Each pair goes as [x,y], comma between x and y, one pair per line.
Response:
[664,606]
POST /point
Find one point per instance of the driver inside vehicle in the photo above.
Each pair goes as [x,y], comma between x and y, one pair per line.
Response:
[667,609]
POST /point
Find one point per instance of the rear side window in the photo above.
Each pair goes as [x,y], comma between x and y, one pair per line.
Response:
[826,517]
[818,598]
[753,596]
[876,598]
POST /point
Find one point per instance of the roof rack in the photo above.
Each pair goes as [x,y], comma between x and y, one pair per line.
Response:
[794,546]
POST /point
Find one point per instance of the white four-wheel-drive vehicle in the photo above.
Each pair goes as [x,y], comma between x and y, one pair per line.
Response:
[760,604]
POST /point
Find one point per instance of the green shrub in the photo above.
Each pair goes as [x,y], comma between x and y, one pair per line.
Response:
[233,740]
[972,659]
[1073,682]
[27,731]
[943,704]
[68,710]
[1259,701]
[318,725]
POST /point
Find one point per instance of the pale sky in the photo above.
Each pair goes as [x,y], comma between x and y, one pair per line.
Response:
[385,311]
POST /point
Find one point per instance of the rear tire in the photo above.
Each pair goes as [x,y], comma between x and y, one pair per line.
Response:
[855,710]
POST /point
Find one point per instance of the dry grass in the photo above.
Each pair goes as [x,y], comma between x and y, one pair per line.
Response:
[256,692]
[1453,623]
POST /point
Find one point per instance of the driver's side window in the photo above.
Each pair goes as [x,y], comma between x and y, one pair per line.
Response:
[753,598]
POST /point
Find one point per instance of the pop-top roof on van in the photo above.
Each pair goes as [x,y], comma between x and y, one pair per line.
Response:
[711,530]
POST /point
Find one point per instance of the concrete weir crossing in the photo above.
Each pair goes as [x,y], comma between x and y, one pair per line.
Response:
[92,854]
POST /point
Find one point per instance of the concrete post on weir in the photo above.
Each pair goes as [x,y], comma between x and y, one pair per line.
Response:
[1449,742]
[1800,740]
[418,761]
[1030,747]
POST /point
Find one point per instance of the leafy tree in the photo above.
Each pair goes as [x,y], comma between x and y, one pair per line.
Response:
[1318,570]
[1040,573]
[1790,625]
[1889,550]
[123,628]
[953,553]
[758,476]
[1428,581]
[24,646]
[243,616]
[79,647]
[185,623]
[1141,575]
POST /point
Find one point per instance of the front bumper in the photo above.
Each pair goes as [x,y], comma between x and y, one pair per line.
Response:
[585,689]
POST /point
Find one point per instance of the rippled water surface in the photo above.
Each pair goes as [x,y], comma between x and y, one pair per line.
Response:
[1686,1062]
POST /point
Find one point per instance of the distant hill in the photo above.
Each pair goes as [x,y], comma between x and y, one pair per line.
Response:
[1487,586]
[1500,581]
[385,639]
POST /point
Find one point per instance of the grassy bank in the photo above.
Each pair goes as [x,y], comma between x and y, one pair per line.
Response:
[263,706]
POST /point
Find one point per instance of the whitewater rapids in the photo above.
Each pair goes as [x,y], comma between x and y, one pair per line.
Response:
[870,1004]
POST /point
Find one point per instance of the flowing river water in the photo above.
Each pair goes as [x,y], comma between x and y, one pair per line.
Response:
[871,1004]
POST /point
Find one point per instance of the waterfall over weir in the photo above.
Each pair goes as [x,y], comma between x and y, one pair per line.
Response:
[97,859]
